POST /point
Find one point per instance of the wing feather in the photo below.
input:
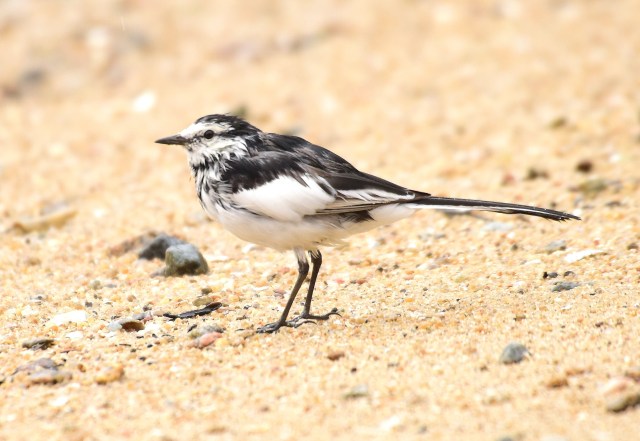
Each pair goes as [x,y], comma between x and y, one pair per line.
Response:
[295,179]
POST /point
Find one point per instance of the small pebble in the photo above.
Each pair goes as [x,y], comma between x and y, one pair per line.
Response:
[359,391]
[184,259]
[592,187]
[513,353]
[110,374]
[75,335]
[157,247]
[617,385]
[114,326]
[558,122]
[557,382]
[95,284]
[40,363]
[131,325]
[38,343]
[550,275]
[199,332]
[556,245]
[579,255]
[536,173]
[585,166]
[335,355]
[77,316]
[564,286]
[49,376]
[203,301]
[144,316]
[130,244]
[206,339]
[623,401]
[126,324]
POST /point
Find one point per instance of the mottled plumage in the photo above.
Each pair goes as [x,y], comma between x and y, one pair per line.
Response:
[285,193]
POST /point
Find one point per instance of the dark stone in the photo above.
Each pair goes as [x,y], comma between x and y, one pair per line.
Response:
[564,286]
[585,166]
[38,343]
[157,247]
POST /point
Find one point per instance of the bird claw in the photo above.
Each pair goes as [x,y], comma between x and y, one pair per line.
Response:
[326,316]
[296,322]
[270,328]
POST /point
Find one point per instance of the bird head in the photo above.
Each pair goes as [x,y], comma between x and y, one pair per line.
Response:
[212,133]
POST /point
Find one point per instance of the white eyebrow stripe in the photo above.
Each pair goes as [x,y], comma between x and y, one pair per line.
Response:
[198,128]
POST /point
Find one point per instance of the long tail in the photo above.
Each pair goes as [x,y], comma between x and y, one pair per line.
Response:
[500,207]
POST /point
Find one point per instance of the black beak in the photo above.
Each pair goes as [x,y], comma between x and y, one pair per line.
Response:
[173,140]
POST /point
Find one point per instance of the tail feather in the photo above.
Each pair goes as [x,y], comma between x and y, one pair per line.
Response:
[500,207]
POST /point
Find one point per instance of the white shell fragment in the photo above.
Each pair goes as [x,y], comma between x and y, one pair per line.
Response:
[579,255]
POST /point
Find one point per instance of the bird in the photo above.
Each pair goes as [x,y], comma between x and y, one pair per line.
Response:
[286,193]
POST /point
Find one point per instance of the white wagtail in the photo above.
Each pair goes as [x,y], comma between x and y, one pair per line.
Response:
[285,193]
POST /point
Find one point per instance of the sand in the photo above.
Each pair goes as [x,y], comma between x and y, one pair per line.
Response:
[528,102]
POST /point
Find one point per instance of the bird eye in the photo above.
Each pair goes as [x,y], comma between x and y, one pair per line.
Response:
[208,134]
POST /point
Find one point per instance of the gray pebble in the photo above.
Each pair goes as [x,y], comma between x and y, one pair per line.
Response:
[40,363]
[564,286]
[184,259]
[157,247]
[114,326]
[49,376]
[38,343]
[556,245]
[513,353]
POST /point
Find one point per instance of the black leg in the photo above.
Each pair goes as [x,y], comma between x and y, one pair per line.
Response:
[316,260]
[303,270]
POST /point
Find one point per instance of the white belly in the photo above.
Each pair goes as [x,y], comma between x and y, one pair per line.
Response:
[308,233]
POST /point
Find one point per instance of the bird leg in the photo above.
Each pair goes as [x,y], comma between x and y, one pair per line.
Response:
[303,270]
[316,260]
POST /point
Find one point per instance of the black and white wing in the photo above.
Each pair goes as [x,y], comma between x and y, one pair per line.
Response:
[292,178]
[358,191]
[302,179]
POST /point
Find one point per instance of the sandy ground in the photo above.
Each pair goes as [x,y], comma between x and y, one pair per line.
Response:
[493,99]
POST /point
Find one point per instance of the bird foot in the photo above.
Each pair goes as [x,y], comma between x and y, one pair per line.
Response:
[270,328]
[308,316]
[296,322]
